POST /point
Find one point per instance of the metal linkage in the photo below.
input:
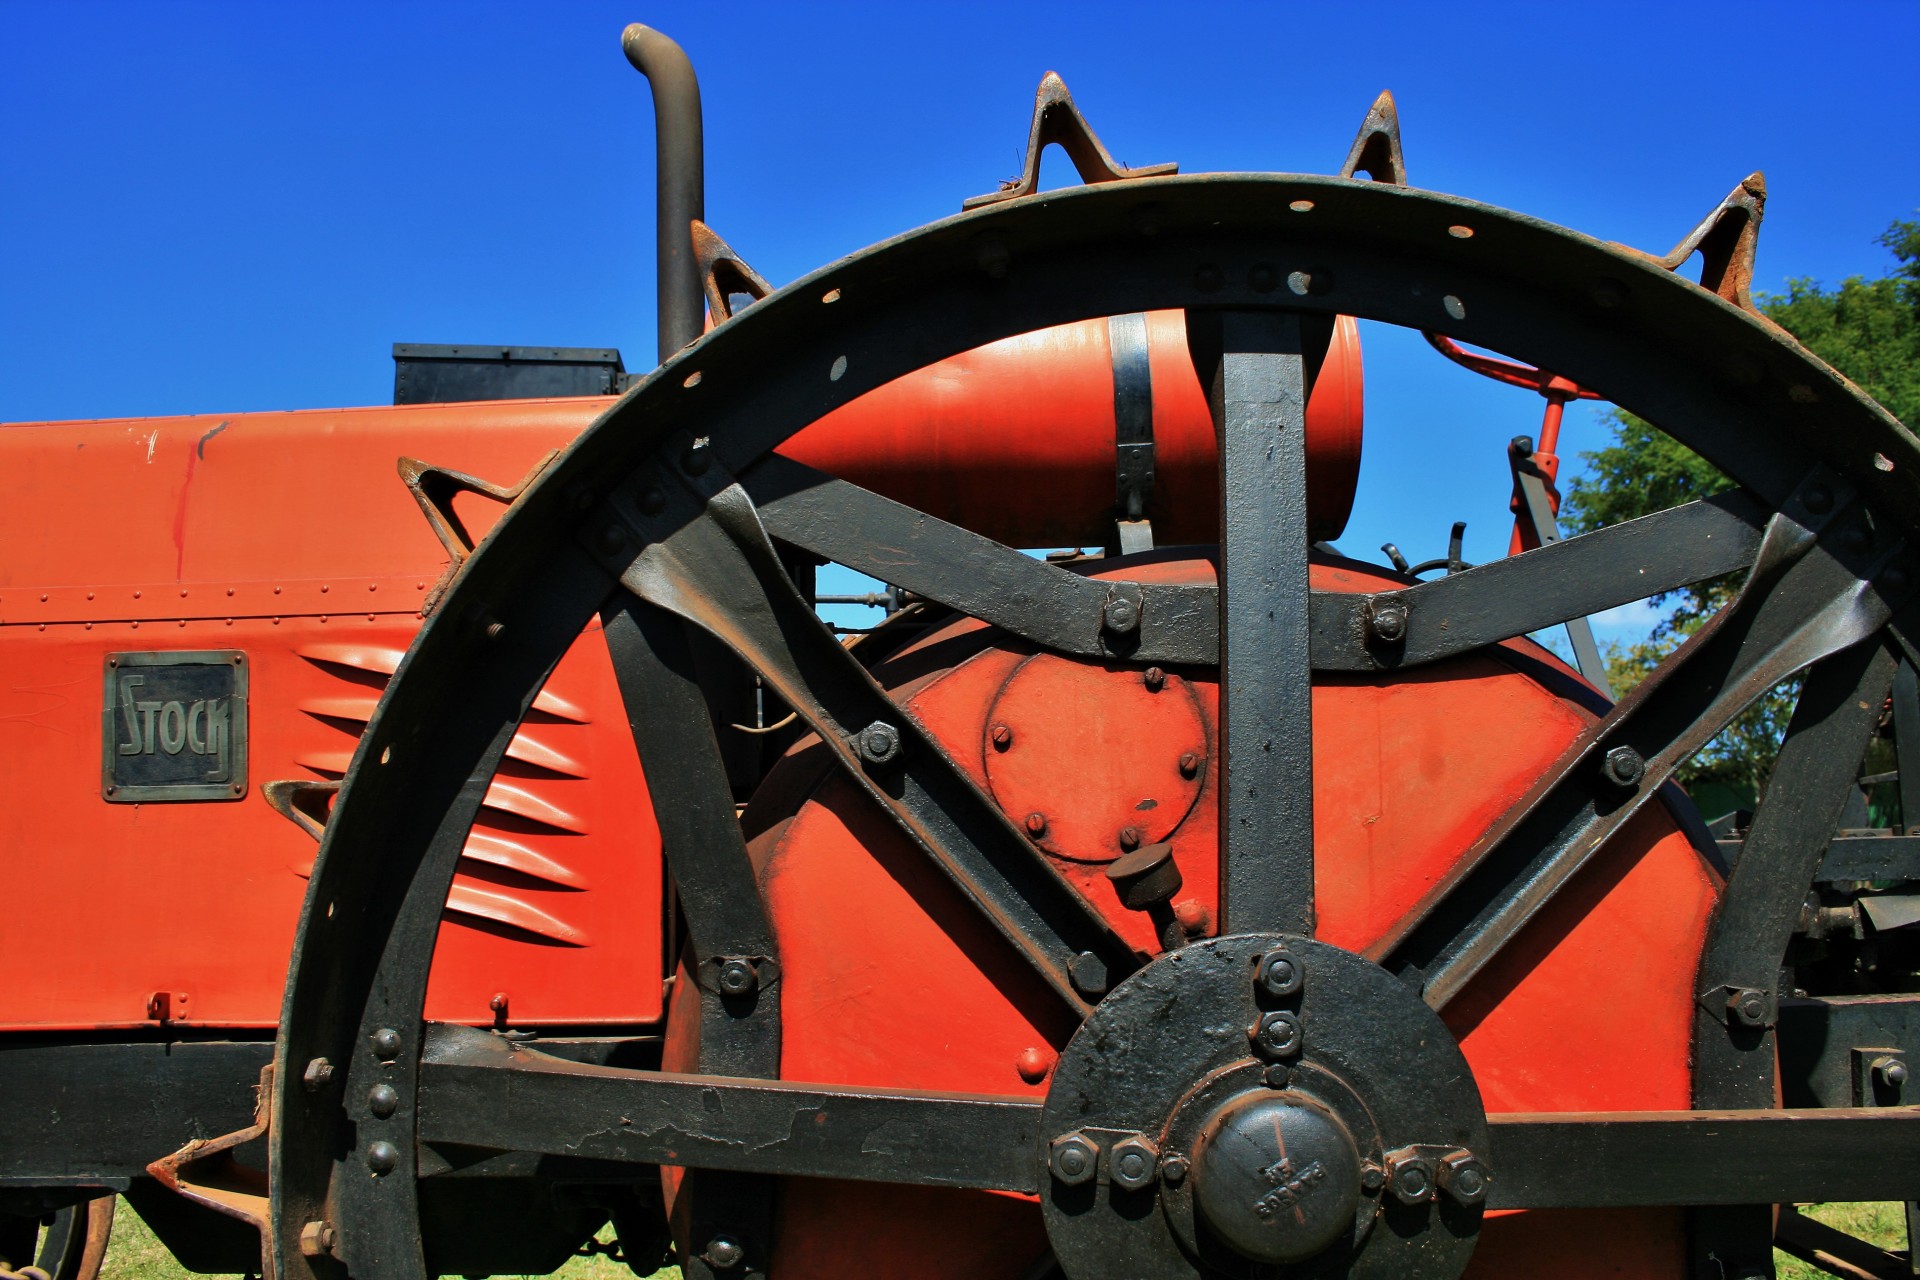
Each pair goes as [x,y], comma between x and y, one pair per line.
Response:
[707,558]
[1253,366]
[1817,588]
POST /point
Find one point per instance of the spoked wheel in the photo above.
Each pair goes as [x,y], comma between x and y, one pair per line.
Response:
[1331,1056]
[68,1244]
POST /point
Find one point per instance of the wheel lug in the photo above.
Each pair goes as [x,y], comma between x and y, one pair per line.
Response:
[1281,973]
[1410,1176]
[1464,1177]
[1073,1159]
[1133,1163]
[1276,1035]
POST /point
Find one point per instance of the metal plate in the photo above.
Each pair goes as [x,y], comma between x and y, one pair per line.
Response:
[173,726]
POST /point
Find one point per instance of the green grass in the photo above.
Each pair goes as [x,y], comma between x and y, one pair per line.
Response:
[136,1254]
[1881,1224]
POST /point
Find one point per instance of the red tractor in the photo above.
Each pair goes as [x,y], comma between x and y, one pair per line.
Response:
[1213,905]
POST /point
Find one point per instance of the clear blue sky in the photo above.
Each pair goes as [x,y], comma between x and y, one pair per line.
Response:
[216,208]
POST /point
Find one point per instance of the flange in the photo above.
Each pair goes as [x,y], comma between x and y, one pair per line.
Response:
[1257,1101]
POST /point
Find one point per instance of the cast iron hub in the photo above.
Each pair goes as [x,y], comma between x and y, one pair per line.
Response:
[1277,1176]
[1270,1154]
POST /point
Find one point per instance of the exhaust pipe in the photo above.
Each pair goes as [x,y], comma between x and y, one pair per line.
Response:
[680,180]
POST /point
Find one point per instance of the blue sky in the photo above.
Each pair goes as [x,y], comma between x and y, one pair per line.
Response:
[217,208]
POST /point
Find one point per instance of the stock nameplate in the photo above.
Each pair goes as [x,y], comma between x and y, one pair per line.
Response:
[174,726]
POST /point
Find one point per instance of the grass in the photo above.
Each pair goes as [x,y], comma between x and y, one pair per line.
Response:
[1881,1224]
[136,1255]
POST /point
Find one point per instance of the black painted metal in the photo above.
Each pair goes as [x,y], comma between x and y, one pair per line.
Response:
[1169,1050]
[1254,369]
[1658,345]
[1704,1157]
[1828,1048]
[1037,601]
[1734,1048]
[1906,744]
[425,373]
[480,1090]
[719,897]
[99,1114]
[708,559]
[1132,431]
[1808,597]
[1531,485]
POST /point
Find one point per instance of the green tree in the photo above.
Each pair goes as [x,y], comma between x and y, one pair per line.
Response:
[1867,329]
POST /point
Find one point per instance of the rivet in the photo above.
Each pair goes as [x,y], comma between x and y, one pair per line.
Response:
[1033,1064]
[1155,679]
[386,1044]
[1817,499]
[383,1157]
[610,539]
[383,1100]
[653,502]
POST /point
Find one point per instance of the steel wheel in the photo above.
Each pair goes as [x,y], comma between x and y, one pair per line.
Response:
[661,514]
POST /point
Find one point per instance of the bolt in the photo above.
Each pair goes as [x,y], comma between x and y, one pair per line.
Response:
[1281,973]
[386,1044]
[1189,764]
[1749,1007]
[317,1239]
[1277,1075]
[1156,679]
[1002,737]
[1890,1072]
[1624,767]
[382,1157]
[724,1253]
[318,1075]
[1173,1168]
[1818,499]
[1410,1176]
[879,742]
[1463,1176]
[1129,838]
[1133,1163]
[1387,621]
[1073,1159]
[1122,615]
[738,976]
[383,1100]
[1276,1035]
[1088,974]
[1036,824]
[1372,1177]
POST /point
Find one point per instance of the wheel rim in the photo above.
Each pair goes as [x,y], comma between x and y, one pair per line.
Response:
[1743,395]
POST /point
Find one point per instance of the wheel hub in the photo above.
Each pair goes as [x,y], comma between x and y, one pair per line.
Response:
[1262,1100]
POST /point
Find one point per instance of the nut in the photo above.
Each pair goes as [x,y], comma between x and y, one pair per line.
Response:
[1122,615]
[737,976]
[724,1253]
[318,1075]
[1463,1176]
[878,743]
[1276,1035]
[1410,1176]
[1133,1163]
[1749,1006]
[1624,767]
[1889,1072]
[317,1239]
[1387,621]
[1281,973]
[1073,1159]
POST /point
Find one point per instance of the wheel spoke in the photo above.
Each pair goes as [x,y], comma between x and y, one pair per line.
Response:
[1805,600]
[482,1090]
[708,559]
[1254,369]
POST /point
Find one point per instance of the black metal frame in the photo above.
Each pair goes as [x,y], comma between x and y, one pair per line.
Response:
[645,503]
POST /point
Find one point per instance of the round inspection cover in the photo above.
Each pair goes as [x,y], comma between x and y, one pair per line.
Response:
[1078,753]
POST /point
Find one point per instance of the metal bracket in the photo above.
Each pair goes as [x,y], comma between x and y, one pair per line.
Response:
[1727,240]
[724,275]
[1376,148]
[1132,431]
[434,488]
[1057,120]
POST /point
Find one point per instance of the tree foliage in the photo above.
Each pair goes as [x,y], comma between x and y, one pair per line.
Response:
[1867,329]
